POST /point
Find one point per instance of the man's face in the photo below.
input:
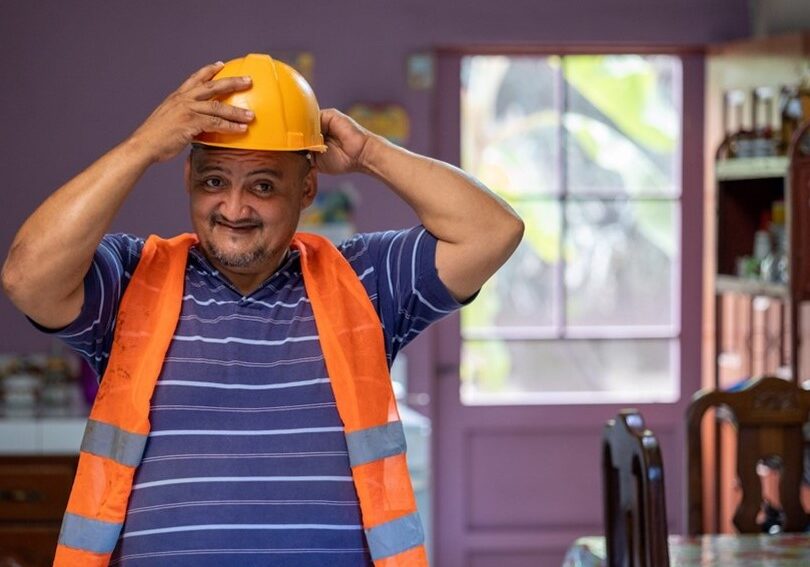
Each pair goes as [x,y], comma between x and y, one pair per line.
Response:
[245,205]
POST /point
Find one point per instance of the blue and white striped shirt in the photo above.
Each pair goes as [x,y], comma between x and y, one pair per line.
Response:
[246,463]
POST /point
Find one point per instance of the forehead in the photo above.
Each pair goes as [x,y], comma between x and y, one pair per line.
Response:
[234,161]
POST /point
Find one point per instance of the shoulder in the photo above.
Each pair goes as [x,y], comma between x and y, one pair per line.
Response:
[375,244]
[126,248]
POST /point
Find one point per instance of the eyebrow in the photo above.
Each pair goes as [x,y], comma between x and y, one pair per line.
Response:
[266,171]
[207,168]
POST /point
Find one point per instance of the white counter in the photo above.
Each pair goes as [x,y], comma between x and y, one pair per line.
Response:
[41,436]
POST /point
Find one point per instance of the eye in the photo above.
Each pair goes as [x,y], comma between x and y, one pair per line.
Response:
[263,188]
[213,183]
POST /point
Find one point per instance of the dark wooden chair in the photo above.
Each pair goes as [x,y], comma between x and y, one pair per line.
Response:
[633,491]
[768,414]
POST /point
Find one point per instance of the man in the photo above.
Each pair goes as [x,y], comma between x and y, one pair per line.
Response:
[244,382]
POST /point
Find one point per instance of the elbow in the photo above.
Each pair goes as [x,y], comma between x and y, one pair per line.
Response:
[10,281]
[501,240]
[519,230]
[513,232]
[13,276]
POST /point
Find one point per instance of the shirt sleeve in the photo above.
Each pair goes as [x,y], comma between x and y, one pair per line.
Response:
[91,333]
[398,270]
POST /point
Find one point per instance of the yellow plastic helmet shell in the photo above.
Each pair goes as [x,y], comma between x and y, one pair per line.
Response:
[287,116]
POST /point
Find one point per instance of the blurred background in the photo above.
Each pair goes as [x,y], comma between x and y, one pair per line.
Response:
[598,120]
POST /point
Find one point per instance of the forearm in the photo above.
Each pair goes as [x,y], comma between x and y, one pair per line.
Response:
[54,248]
[476,229]
[452,205]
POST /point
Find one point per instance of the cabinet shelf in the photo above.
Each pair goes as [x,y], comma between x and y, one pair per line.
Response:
[747,190]
[747,286]
[751,168]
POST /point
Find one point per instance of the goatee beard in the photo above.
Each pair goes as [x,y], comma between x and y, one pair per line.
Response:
[240,260]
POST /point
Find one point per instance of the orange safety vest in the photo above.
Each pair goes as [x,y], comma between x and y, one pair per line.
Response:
[352,341]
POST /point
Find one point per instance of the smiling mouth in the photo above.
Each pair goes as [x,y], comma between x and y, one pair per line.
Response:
[241,226]
[238,228]
[244,225]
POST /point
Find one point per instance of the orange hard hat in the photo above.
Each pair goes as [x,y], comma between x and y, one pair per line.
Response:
[287,116]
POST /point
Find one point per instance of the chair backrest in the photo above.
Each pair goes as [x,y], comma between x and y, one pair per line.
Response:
[633,491]
[768,414]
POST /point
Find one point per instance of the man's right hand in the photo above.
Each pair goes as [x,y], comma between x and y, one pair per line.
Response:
[190,111]
[48,287]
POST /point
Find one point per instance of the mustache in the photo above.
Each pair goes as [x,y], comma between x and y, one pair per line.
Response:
[218,218]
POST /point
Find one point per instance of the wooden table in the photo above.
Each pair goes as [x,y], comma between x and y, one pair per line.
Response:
[791,550]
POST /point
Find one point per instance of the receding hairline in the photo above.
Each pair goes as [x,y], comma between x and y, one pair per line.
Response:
[196,147]
[306,154]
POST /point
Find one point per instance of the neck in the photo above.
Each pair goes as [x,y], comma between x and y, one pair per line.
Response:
[248,280]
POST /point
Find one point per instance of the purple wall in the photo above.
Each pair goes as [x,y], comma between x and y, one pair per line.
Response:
[81,75]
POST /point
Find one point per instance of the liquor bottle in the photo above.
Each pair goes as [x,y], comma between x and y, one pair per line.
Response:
[763,143]
[790,109]
[737,141]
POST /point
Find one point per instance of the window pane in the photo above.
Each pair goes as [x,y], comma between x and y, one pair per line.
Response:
[623,124]
[621,262]
[510,123]
[568,371]
[587,149]
[523,292]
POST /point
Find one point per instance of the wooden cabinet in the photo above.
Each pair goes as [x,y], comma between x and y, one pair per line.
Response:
[758,323]
[33,495]
[759,326]
[756,326]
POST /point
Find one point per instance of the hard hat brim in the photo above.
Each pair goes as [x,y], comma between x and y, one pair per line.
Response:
[249,147]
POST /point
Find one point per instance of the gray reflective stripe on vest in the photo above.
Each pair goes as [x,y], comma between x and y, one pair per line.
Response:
[106,440]
[89,535]
[375,443]
[395,536]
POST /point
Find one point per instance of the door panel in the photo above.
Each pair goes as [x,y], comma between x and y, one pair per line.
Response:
[509,560]
[506,468]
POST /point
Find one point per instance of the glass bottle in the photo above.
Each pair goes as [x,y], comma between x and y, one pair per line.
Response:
[737,142]
[790,109]
[764,143]
[762,254]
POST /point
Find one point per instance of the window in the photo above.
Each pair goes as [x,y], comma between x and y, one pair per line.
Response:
[587,149]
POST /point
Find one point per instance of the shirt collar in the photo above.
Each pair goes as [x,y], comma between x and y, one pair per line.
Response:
[204,265]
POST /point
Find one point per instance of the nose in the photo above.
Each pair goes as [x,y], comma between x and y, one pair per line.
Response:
[234,207]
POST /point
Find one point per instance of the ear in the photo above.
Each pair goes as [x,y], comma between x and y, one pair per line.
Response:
[310,183]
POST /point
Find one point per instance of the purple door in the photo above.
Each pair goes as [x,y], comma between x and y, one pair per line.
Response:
[514,485]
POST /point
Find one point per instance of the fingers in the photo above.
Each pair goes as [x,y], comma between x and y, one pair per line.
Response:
[327,114]
[201,92]
[217,116]
[201,75]
[219,109]
[219,124]
[209,89]
[198,94]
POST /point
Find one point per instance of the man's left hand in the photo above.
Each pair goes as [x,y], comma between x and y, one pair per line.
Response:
[347,144]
